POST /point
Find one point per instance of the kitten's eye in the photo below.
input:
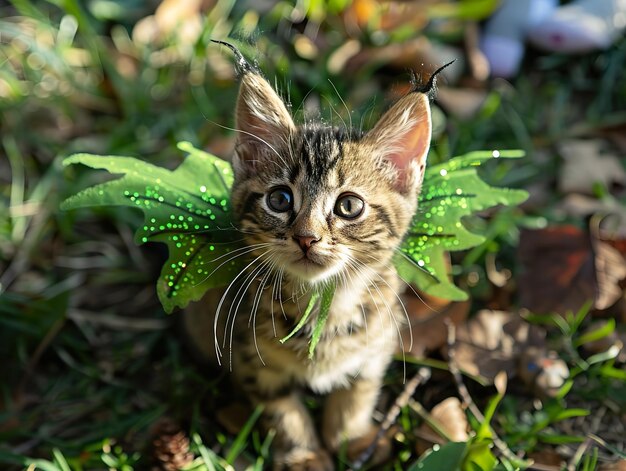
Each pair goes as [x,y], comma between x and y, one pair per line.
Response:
[349,206]
[280,199]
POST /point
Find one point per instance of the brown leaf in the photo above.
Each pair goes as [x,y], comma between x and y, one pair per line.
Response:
[450,418]
[615,466]
[500,382]
[587,165]
[565,268]
[547,458]
[492,341]
[610,270]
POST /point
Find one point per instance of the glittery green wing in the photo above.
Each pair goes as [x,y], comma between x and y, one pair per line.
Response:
[450,191]
[188,209]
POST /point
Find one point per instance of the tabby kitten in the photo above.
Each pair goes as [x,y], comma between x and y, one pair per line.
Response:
[315,204]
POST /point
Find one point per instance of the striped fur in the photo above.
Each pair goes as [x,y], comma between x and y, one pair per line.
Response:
[317,164]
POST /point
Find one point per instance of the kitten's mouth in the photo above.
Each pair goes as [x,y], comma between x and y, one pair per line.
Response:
[313,267]
[306,260]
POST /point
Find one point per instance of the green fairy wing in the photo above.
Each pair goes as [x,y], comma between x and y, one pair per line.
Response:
[188,209]
[450,191]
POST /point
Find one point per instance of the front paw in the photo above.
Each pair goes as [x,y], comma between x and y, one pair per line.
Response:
[357,447]
[301,459]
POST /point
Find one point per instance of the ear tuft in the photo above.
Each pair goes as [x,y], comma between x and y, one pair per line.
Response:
[243,66]
[429,88]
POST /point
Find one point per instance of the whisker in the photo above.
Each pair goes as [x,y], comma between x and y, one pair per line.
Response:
[245,249]
[390,267]
[251,135]
[250,277]
[391,312]
[255,307]
[221,302]
[344,104]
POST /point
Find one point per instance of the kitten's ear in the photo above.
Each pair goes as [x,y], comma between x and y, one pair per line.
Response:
[263,121]
[402,137]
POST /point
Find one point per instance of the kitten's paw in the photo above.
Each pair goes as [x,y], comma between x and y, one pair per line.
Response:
[357,446]
[300,459]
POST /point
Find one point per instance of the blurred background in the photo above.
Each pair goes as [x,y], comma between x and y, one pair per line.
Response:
[91,364]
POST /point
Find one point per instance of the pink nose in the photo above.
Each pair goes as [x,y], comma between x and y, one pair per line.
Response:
[305,241]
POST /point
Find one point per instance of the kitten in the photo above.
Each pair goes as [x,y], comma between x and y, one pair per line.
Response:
[316,204]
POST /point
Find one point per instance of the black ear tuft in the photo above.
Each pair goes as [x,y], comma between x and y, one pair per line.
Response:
[243,66]
[428,88]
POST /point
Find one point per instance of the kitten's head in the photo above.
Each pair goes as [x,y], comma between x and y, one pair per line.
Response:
[319,200]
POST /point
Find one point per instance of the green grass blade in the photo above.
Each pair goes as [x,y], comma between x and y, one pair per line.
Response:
[305,317]
[242,438]
[326,300]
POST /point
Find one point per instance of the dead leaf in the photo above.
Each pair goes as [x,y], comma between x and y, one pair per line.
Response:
[565,267]
[615,466]
[612,128]
[547,458]
[501,382]
[492,341]
[610,270]
[450,418]
[587,165]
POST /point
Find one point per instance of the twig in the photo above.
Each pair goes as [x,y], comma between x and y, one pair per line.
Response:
[580,451]
[422,375]
[465,395]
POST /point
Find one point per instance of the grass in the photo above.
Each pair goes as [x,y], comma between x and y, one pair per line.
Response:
[91,362]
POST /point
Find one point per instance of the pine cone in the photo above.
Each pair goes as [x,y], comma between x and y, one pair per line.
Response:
[170,446]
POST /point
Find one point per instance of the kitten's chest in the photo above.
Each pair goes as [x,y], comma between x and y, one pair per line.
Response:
[358,338]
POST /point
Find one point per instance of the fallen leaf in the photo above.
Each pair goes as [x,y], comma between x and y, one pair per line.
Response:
[587,165]
[615,466]
[500,382]
[610,270]
[492,341]
[565,267]
[548,458]
[450,418]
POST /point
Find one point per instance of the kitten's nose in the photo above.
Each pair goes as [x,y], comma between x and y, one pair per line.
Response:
[305,240]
